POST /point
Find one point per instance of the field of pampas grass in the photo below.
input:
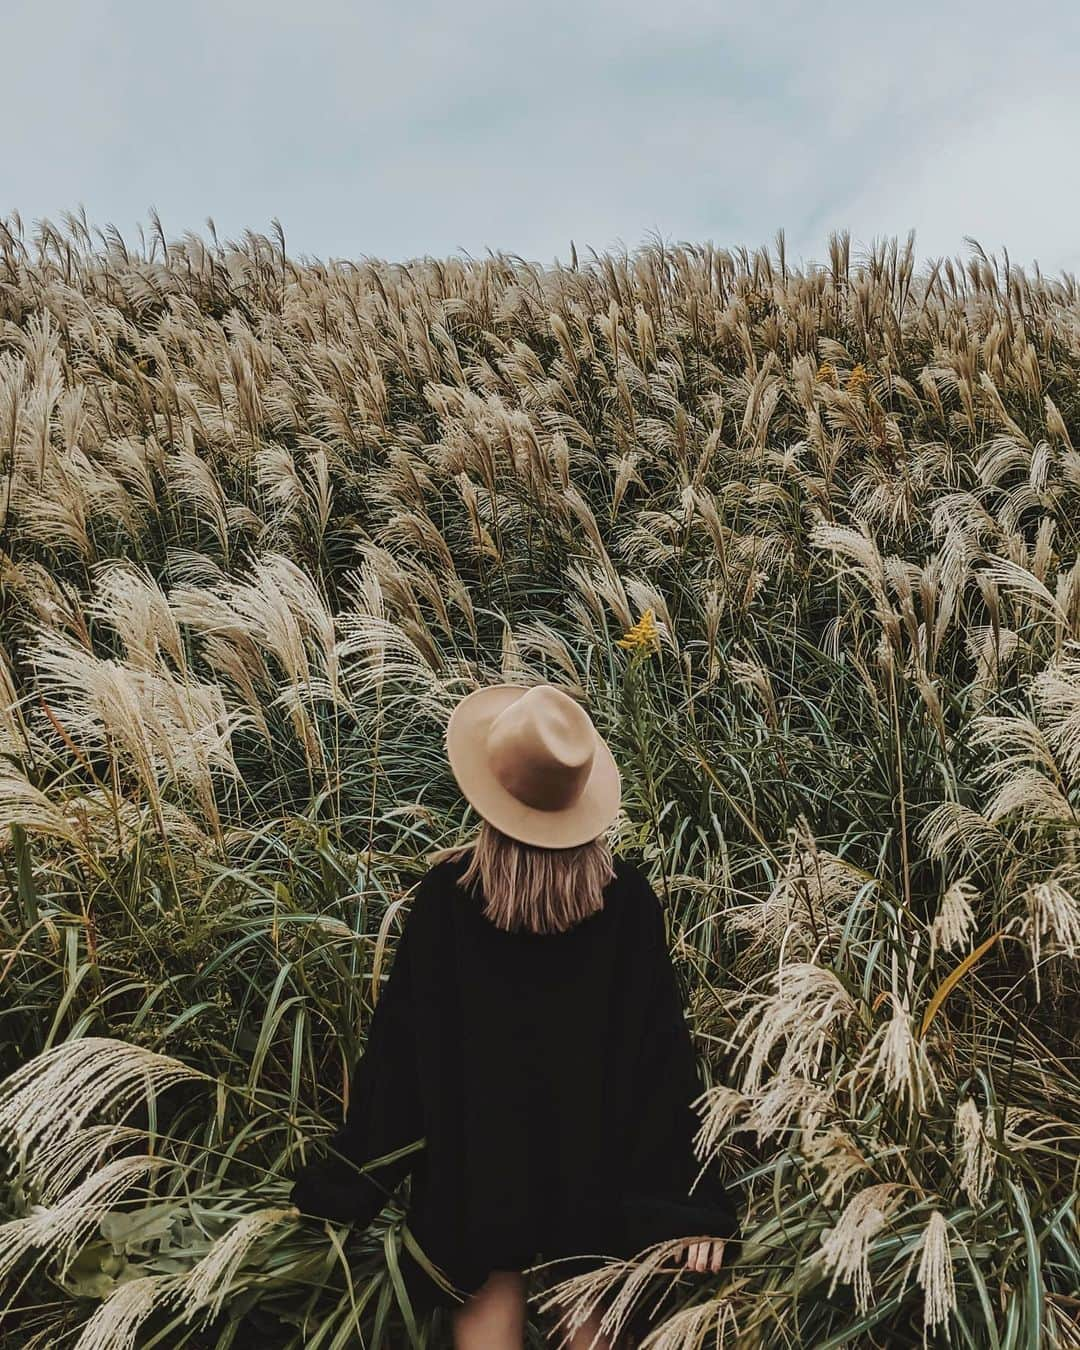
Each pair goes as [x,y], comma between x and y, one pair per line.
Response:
[806,542]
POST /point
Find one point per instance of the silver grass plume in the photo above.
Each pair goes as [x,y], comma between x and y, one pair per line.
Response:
[208,1283]
[116,1322]
[804,1013]
[55,1167]
[1056,694]
[896,1058]
[618,1283]
[808,903]
[57,1091]
[973,1150]
[935,1273]
[711,1323]
[837,1154]
[57,1232]
[1052,911]
[845,1248]
[955,919]
[23,804]
[961,836]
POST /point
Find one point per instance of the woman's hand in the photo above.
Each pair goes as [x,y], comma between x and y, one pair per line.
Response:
[705,1255]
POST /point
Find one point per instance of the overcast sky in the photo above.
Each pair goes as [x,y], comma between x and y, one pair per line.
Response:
[401,129]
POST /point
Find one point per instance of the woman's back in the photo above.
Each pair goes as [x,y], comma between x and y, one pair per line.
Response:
[532,1030]
[551,1077]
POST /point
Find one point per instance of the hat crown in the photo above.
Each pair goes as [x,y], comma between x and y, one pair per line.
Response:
[541,748]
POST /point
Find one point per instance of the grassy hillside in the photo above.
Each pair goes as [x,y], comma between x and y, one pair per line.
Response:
[263,522]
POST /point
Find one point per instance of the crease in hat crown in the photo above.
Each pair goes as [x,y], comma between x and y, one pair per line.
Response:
[541,748]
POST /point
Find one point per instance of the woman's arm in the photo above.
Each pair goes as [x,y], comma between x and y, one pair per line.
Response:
[662,1166]
[384,1113]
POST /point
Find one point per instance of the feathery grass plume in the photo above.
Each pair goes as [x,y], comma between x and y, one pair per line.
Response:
[753,674]
[1033,598]
[210,1281]
[719,1108]
[1056,693]
[131,602]
[648,542]
[1026,795]
[973,1150]
[935,1273]
[1015,1118]
[787,1101]
[1027,741]
[845,1248]
[711,1323]
[281,606]
[955,919]
[167,730]
[56,1233]
[837,1154]
[56,1166]
[626,472]
[993,650]
[618,1285]
[807,906]
[278,476]
[385,664]
[57,1090]
[897,1059]
[959,836]
[960,521]
[108,826]
[806,1010]
[193,481]
[15,738]
[543,638]
[117,1321]
[868,566]
[23,804]
[1053,912]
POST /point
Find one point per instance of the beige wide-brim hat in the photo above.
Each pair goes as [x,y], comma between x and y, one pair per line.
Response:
[530,762]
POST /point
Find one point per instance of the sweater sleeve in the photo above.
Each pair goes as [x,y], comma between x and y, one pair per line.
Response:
[384,1113]
[662,1166]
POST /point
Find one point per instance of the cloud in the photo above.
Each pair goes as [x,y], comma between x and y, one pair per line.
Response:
[999,177]
[396,131]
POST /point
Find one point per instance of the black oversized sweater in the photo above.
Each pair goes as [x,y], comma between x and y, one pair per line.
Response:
[550,1079]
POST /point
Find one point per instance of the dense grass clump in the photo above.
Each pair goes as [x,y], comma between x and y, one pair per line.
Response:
[806,543]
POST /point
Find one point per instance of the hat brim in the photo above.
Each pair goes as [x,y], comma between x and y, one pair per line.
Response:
[584,820]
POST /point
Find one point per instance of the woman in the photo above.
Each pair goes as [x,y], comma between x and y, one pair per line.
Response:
[530,1040]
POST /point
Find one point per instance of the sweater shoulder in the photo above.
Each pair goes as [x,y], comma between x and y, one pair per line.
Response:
[629,876]
[638,897]
[438,884]
[440,877]
[632,883]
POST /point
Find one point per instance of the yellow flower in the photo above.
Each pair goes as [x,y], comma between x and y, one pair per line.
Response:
[643,636]
[858,379]
[826,373]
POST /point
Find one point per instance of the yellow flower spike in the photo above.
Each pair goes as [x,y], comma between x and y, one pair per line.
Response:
[858,380]
[643,636]
[826,373]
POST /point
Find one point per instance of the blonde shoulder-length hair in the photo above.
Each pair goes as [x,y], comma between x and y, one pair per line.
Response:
[540,890]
